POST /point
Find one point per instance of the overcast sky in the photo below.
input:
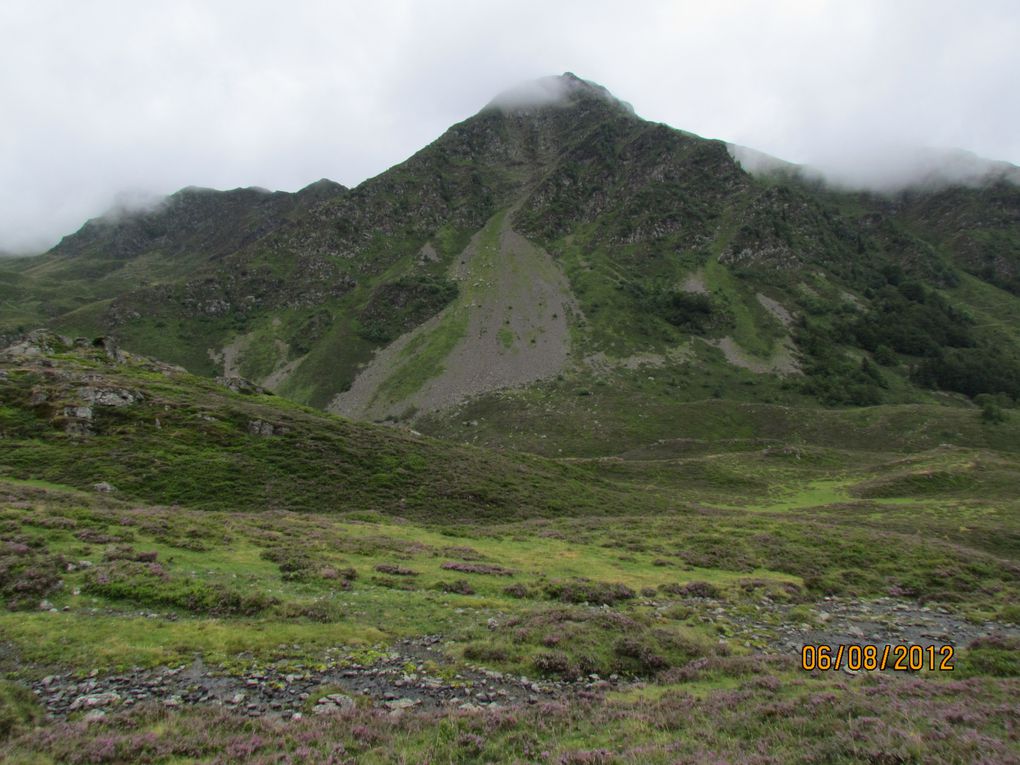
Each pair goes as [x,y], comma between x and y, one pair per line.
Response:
[101,99]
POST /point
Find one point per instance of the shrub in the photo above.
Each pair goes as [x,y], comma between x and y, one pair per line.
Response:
[588,591]
[553,663]
[28,575]
[395,570]
[295,565]
[641,652]
[148,583]
[316,611]
[692,590]
[126,552]
[344,575]
[458,587]
[477,568]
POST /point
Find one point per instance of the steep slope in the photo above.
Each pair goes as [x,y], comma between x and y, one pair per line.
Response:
[90,416]
[622,256]
[508,327]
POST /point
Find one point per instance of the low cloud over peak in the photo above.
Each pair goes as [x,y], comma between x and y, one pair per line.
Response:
[110,96]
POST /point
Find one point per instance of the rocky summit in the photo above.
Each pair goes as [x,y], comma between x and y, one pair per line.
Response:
[574,438]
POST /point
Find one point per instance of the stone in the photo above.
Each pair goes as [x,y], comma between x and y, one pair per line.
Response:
[401,704]
[333,703]
[104,487]
[90,701]
[108,397]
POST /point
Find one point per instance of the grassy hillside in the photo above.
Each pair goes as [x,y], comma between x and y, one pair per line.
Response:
[249,559]
[664,253]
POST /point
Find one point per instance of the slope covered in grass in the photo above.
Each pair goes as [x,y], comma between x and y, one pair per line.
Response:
[157,433]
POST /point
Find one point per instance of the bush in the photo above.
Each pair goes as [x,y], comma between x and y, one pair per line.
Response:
[28,575]
[971,371]
[642,653]
[150,584]
[692,590]
[477,568]
[395,570]
[995,655]
[588,591]
[295,565]
[457,587]
[485,652]
[553,663]
[316,611]
[691,311]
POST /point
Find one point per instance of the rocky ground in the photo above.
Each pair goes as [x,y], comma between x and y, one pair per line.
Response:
[414,673]
[783,628]
[406,676]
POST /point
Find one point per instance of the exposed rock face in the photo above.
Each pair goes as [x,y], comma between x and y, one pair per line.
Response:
[262,428]
[621,205]
[333,703]
[109,397]
[509,323]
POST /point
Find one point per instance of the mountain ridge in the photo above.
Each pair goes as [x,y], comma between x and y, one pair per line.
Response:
[670,251]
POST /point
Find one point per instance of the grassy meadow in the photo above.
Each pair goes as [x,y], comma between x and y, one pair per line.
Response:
[651,590]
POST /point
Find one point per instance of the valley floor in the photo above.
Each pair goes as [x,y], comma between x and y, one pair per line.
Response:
[183,636]
[195,575]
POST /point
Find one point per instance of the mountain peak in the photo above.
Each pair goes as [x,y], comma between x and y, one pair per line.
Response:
[566,89]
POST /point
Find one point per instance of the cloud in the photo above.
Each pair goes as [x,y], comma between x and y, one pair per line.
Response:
[107,96]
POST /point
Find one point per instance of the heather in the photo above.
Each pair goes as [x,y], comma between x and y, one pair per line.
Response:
[766,719]
[194,573]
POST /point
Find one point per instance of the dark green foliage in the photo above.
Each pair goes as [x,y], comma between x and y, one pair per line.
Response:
[690,311]
[971,371]
[992,407]
[587,591]
[28,573]
[913,320]
[19,710]
[995,656]
[692,590]
[830,374]
[310,331]
[395,570]
[150,584]
[456,587]
[396,307]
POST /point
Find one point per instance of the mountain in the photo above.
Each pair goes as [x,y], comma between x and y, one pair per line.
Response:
[219,572]
[738,419]
[557,273]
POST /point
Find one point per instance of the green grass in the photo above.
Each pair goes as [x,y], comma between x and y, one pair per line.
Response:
[252,552]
